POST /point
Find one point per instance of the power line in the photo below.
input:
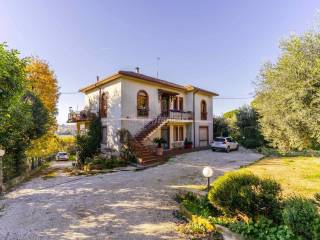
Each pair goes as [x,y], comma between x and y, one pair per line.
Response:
[63,93]
[233,98]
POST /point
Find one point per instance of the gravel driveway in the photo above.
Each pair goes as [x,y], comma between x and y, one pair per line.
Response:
[122,205]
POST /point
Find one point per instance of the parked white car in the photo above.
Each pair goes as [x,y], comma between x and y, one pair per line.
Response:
[224,143]
[62,156]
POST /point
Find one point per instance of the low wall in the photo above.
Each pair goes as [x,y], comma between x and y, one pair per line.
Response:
[34,165]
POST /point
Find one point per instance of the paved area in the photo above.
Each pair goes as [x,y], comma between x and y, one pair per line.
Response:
[121,205]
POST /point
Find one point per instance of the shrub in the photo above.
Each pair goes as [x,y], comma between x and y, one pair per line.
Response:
[197,205]
[244,193]
[200,228]
[300,214]
[100,162]
[316,229]
[263,229]
[88,144]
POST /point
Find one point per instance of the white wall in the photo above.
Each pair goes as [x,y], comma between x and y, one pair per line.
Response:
[113,119]
[198,122]
[130,88]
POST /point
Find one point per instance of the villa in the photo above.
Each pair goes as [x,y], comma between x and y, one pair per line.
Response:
[147,107]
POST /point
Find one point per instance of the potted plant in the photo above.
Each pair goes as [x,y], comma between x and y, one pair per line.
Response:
[187,143]
[159,141]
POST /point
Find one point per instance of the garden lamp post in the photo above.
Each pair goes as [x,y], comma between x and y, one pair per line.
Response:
[207,172]
[2,152]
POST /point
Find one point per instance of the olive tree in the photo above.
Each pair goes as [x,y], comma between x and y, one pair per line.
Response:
[288,95]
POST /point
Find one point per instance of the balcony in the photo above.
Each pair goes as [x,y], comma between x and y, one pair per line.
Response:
[180,115]
[80,116]
[142,112]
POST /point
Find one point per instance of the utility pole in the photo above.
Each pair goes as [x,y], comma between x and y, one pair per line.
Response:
[158,60]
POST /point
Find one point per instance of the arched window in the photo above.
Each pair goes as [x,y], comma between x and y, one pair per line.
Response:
[104,105]
[142,103]
[203,109]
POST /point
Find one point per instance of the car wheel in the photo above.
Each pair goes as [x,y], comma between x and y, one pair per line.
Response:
[213,150]
[237,148]
[228,149]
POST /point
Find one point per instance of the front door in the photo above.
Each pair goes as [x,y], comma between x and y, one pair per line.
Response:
[165,105]
[165,134]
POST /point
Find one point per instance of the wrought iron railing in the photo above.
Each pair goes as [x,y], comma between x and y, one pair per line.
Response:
[79,116]
[142,112]
[204,116]
[180,115]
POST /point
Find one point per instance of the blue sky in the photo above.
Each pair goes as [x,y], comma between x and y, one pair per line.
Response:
[216,45]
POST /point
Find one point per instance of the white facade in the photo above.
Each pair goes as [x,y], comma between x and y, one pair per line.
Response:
[122,112]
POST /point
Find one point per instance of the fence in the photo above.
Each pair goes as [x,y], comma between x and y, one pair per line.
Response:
[33,165]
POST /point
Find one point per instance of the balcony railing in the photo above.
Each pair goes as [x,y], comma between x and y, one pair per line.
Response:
[81,116]
[142,112]
[180,115]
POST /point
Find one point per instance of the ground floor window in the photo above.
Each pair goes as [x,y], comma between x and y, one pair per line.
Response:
[178,133]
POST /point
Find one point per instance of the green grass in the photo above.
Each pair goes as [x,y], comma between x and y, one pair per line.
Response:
[297,175]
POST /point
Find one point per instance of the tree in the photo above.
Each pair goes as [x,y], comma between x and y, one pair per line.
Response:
[42,82]
[249,130]
[23,117]
[288,95]
[12,80]
[220,127]
[231,119]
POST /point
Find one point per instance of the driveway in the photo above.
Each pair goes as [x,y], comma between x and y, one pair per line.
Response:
[121,205]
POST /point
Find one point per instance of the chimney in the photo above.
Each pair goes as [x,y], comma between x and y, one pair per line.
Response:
[97,78]
[137,69]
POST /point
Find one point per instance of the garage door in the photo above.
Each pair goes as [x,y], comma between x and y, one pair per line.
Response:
[203,136]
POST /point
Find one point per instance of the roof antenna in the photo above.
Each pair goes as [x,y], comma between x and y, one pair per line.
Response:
[158,60]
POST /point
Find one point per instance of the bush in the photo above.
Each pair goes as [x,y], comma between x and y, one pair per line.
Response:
[316,229]
[244,193]
[299,215]
[197,205]
[200,228]
[88,144]
[100,162]
[263,229]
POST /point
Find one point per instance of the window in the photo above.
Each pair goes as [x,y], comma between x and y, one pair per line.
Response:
[178,133]
[175,133]
[203,109]
[142,103]
[104,105]
[180,103]
[181,133]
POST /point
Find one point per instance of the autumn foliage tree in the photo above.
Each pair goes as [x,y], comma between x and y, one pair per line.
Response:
[23,117]
[42,82]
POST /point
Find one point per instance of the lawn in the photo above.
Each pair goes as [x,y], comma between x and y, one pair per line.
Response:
[297,175]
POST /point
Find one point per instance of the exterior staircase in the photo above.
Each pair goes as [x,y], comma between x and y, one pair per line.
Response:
[146,155]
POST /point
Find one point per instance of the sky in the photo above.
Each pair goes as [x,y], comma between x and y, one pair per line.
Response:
[216,45]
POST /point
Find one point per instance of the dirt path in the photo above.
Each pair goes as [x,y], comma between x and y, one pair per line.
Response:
[121,205]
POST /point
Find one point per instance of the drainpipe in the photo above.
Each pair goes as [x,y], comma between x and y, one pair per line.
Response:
[194,119]
[99,100]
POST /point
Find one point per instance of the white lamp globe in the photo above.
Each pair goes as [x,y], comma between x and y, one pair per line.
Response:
[207,172]
[2,152]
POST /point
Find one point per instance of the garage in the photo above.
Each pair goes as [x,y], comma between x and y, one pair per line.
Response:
[203,136]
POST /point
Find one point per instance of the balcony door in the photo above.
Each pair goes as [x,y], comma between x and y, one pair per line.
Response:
[165,101]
